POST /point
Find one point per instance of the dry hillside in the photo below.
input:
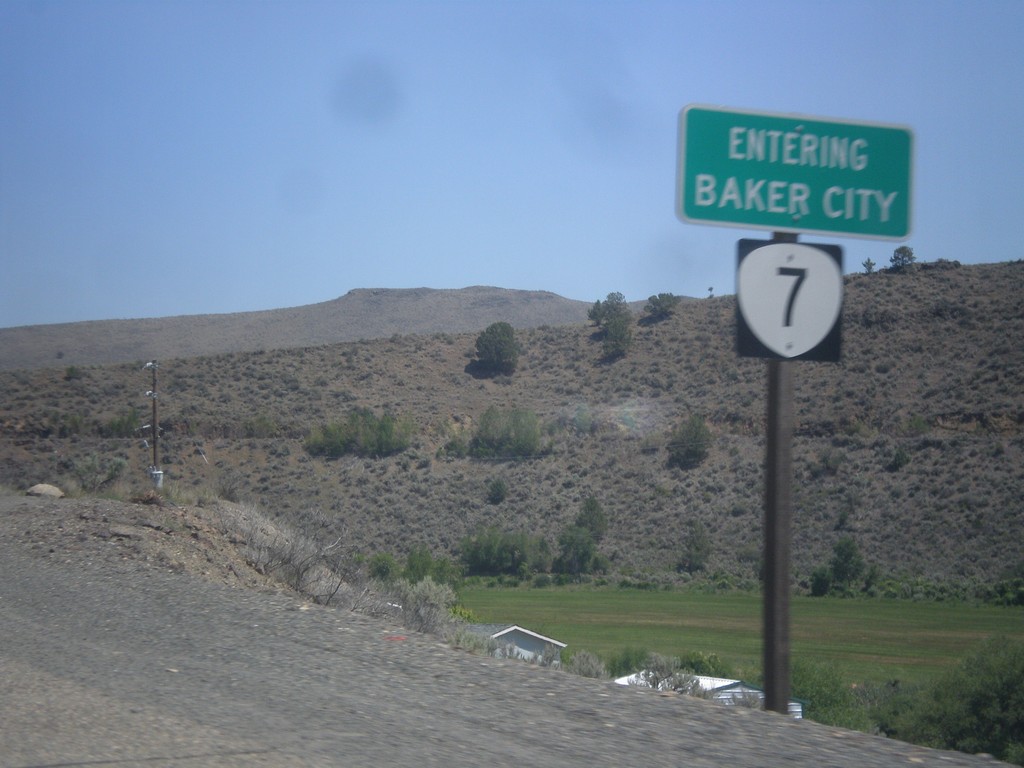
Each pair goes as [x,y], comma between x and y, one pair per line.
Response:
[912,444]
[359,314]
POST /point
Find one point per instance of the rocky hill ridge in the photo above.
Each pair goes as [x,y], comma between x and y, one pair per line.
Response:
[368,313]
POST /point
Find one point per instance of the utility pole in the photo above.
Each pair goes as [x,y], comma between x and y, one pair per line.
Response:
[154,469]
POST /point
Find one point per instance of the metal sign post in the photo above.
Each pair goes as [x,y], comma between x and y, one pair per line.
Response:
[777,535]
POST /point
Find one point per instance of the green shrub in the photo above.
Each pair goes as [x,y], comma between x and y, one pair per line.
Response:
[689,443]
[665,673]
[473,642]
[827,698]
[902,258]
[94,472]
[362,433]
[593,518]
[1009,591]
[586,664]
[917,425]
[661,306]
[497,349]
[261,426]
[497,490]
[506,434]
[696,548]
[614,305]
[627,661]
[577,552]
[618,336]
[845,573]
[456,447]
[462,613]
[821,581]
[705,664]
[491,552]
[125,425]
[64,424]
[420,564]
[384,567]
[900,459]
[847,565]
[976,707]
[426,605]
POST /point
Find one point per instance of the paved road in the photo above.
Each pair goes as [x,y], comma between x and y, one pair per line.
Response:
[107,663]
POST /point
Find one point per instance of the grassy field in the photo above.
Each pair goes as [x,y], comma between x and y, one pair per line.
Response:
[869,640]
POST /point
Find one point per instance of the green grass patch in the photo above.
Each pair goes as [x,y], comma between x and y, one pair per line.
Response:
[868,640]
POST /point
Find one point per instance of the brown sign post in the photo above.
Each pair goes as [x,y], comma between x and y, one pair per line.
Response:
[788,306]
[777,529]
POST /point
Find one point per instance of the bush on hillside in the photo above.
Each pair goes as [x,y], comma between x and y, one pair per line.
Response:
[362,433]
[845,572]
[497,350]
[618,336]
[613,306]
[384,567]
[1009,590]
[94,472]
[847,564]
[696,548]
[578,553]
[661,307]
[689,443]
[902,258]
[491,552]
[497,490]
[615,319]
[593,518]
[420,564]
[426,605]
[125,425]
[506,434]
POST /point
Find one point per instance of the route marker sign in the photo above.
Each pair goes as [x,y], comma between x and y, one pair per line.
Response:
[793,173]
[788,300]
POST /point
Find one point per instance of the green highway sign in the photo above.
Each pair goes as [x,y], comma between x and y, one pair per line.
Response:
[792,173]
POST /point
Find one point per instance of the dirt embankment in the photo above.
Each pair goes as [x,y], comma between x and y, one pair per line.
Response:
[135,633]
[203,541]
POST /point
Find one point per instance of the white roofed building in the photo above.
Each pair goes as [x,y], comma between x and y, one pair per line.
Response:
[729,692]
[515,642]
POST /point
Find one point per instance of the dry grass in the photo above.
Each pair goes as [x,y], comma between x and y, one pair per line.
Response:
[931,375]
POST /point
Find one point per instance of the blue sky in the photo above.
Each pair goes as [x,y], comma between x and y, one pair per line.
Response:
[184,157]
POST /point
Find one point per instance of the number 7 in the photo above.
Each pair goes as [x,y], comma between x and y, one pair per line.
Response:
[799,274]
